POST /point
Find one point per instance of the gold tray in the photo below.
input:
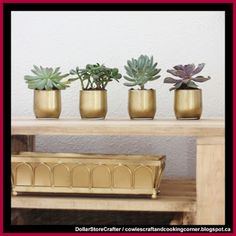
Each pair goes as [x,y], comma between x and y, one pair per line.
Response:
[86,173]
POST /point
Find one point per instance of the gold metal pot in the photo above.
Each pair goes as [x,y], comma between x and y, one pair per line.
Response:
[93,104]
[47,104]
[188,103]
[142,104]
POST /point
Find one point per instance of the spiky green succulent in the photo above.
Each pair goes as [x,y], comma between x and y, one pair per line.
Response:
[46,78]
[140,71]
[95,76]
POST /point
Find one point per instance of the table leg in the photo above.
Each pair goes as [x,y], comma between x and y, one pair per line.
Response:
[210,181]
[21,143]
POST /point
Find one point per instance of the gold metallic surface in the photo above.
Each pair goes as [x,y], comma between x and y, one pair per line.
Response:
[93,104]
[86,173]
[47,104]
[142,104]
[188,103]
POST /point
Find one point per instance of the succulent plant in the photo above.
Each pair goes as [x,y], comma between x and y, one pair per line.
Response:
[95,76]
[46,79]
[186,73]
[140,71]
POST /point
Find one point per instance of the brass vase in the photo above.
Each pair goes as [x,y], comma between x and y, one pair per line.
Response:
[188,103]
[142,104]
[47,103]
[93,104]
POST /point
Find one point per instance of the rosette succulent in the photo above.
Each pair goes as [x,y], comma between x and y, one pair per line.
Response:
[140,71]
[186,75]
[46,78]
[95,76]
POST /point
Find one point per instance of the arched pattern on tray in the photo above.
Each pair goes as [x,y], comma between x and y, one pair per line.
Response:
[122,177]
[42,175]
[24,174]
[61,175]
[80,176]
[101,176]
[143,177]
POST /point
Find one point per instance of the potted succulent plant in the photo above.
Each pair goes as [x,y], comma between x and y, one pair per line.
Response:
[93,96]
[47,84]
[188,97]
[141,102]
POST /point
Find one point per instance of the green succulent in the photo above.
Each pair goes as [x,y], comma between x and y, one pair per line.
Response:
[95,76]
[140,71]
[46,78]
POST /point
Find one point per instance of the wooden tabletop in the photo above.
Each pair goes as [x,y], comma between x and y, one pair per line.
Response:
[157,127]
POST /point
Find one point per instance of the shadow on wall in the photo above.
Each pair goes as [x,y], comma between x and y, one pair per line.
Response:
[180,151]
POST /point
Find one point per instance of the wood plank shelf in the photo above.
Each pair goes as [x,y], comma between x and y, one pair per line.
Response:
[203,199]
[175,196]
[31,126]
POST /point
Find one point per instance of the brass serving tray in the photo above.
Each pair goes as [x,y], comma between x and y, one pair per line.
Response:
[86,173]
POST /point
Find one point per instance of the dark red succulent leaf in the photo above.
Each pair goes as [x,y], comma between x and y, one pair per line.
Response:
[185,72]
[188,69]
[201,79]
[178,73]
[198,69]
[179,67]
[171,80]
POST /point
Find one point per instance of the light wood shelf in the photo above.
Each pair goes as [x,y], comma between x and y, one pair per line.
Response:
[203,199]
[175,196]
[32,126]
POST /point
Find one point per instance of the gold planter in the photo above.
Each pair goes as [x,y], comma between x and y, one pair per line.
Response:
[188,103]
[86,173]
[93,104]
[142,104]
[47,104]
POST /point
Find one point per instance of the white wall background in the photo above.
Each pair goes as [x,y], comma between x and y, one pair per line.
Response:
[68,39]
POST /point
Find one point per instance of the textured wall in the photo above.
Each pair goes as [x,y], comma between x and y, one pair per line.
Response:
[68,39]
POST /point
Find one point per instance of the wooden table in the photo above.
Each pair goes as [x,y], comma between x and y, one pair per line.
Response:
[203,199]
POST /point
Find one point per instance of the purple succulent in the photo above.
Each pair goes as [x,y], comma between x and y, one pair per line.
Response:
[185,73]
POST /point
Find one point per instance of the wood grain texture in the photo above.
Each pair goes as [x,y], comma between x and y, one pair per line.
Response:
[175,196]
[20,143]
[211,141]
[210,182]
[203,127]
